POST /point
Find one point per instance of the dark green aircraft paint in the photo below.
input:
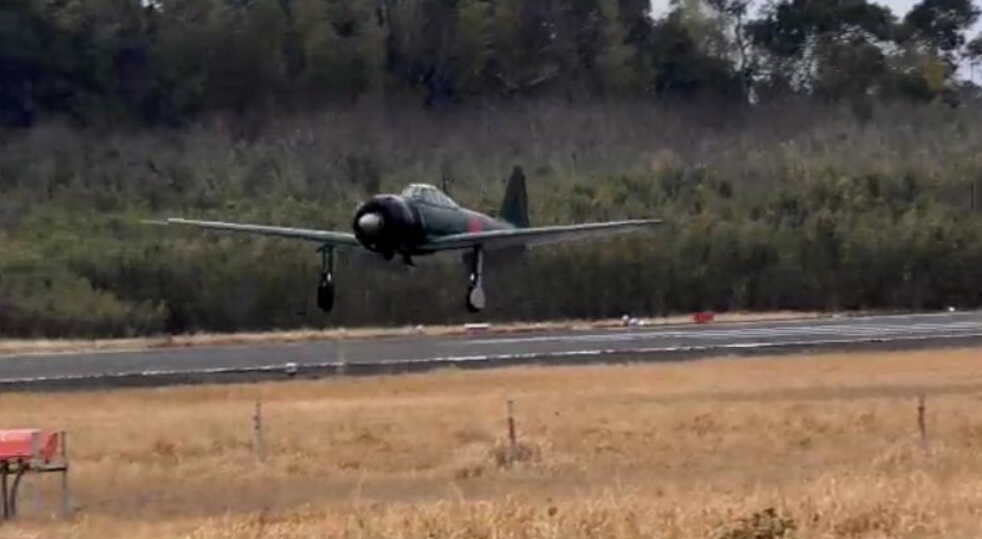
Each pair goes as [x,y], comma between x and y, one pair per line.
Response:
[423,220]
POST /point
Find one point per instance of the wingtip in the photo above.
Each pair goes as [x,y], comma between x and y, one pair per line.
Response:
[166,221]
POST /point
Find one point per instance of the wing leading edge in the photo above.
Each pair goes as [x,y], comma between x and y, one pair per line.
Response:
[329,237]
[492,239]
[543,235]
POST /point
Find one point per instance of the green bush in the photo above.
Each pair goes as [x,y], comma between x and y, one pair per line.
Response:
[835,215]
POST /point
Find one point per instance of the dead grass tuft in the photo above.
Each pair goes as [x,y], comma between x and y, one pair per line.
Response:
[878,520]
[766,524]
[483,459]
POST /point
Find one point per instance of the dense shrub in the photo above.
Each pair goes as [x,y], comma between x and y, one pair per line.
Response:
[833,214]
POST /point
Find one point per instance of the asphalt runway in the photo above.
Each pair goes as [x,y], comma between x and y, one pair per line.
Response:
[404,354]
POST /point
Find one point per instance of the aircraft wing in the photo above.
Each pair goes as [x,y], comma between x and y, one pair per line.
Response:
[530,237]
[329,237]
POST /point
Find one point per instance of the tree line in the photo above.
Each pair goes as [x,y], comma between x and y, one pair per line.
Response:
[163,62]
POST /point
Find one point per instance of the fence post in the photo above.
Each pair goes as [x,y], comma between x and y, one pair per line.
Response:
[257,428]
[66,504]
[512,443]
[921,423]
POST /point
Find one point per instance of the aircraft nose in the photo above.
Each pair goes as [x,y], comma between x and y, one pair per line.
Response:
[370,223]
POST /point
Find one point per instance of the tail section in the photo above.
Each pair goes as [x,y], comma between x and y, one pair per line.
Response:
[515,206]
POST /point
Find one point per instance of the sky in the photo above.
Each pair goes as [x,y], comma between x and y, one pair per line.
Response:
[898,7]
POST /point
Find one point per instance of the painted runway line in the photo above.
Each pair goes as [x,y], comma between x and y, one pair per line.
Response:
[739,333]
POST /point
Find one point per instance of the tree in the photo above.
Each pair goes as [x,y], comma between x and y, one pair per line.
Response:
[615,56]
[343,47]
[940,25]
[803,42]
[472,46]
[929,38]
[682,65]
[24,37]
[733,15]
[973,52]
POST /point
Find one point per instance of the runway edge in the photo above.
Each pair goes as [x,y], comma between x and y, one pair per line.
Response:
[314,371]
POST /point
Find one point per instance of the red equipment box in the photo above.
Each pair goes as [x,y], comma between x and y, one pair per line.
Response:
[704,317]
[19,444]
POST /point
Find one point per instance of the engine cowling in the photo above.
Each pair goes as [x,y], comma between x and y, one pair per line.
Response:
[387,224]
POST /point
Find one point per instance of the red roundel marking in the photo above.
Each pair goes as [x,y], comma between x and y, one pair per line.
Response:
[474,225]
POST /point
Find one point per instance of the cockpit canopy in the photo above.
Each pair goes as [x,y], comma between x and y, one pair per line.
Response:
[429,194]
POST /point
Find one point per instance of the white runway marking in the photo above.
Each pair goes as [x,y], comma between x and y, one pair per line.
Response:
[737,333]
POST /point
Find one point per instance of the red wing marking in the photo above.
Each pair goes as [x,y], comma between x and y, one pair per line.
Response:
[474,225]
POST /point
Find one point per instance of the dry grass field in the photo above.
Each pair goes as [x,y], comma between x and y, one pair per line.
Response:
[807,446]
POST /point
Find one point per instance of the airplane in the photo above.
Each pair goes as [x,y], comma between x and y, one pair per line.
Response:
[423,220]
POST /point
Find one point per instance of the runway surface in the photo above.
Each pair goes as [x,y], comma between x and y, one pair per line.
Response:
[212,363]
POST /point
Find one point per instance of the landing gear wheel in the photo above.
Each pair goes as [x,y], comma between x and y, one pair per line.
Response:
[476,298]
[325,292]
[325,288]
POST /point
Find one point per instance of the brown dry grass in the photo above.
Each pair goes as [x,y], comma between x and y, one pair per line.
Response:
[829,442]
[53,346]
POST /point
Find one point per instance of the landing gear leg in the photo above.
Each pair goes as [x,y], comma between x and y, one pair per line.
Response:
[325,288]
[475,287]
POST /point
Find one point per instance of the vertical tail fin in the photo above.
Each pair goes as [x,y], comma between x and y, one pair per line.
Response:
[515,206]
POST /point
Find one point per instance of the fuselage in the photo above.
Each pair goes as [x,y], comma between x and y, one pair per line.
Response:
[403,223]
